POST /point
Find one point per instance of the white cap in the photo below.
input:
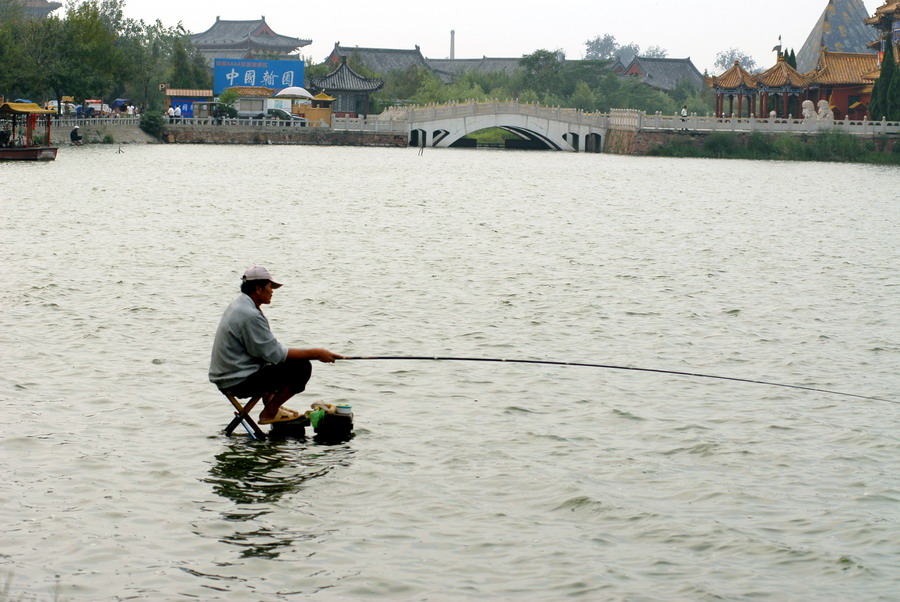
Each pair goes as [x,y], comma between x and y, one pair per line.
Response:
[259,273]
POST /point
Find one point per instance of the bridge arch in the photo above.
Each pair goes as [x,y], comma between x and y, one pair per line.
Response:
[557,129]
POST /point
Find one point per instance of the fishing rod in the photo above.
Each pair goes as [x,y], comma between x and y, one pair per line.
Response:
[611,367]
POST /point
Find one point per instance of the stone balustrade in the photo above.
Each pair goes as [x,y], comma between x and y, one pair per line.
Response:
[625,119]
[399,120]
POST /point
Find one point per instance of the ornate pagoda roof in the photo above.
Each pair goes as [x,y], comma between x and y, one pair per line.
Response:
[884,16]
[845,68]
[735,78]
[345,79]
[841,28]
[251,35]
[782,75]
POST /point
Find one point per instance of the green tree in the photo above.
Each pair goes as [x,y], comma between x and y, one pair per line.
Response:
[726,58]
[188,67]
[542,69]
[791,59]
[603,48]
[583,97]
[91,59]
[41,60]
[228,98]
[886,103]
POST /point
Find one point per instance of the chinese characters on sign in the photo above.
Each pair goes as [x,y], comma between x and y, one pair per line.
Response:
[228,73]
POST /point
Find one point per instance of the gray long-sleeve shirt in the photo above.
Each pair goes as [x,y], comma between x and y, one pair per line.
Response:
[243,344]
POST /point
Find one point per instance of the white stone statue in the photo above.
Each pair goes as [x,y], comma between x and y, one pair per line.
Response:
[825,111]
[809,109]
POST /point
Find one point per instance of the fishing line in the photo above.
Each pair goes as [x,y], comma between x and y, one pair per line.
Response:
[611,367]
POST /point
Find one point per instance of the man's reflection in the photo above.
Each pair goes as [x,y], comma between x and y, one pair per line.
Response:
[256,475]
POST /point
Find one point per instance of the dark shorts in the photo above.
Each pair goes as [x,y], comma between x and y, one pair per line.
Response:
[274,377]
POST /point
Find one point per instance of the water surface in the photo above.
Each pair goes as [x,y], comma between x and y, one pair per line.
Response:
[464,480]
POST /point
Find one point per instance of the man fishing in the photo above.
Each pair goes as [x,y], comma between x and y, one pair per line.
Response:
[247,360]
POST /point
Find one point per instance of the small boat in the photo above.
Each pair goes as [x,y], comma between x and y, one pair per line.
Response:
[17,142]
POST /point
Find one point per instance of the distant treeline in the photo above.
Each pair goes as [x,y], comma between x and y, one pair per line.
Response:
[543,77]
[94,52]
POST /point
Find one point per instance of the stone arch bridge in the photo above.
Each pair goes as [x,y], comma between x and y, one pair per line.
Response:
[538,127]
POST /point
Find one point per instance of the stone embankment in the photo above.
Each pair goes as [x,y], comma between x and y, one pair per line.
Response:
[621,142]
[205,134]
[98,132]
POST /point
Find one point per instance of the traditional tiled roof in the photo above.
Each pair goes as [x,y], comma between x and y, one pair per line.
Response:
[385,60]
[381,60]
[40,8]
[246,34]
[482,65]
[735,78]
[345,79]
[665,73]
[841,28]
[844,68]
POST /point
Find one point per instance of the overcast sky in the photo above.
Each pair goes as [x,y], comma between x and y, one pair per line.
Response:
[698,29]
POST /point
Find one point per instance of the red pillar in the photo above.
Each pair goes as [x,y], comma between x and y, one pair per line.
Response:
[740,112]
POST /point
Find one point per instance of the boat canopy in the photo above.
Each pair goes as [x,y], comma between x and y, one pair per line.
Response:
[24,108]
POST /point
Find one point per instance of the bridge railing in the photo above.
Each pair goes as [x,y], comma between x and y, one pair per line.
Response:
[478,108]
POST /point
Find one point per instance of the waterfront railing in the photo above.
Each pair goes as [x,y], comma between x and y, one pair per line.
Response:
[625,119]
[399,120]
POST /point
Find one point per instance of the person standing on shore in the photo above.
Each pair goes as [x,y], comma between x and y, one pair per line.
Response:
[246,358]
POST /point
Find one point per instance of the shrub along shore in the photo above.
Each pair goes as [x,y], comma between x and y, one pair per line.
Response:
[827,146]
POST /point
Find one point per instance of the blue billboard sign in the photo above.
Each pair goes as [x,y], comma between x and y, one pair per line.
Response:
[228,73]
[186,105]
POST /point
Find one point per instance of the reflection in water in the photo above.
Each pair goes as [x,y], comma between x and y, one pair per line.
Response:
[256,475]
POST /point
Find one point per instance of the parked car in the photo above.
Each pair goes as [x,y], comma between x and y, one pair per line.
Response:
[250,115]
[68,108]
[284,115]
